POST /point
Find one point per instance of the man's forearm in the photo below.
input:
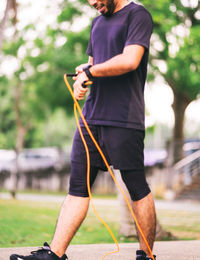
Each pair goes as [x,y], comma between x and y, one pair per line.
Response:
[129,60]
[113,67]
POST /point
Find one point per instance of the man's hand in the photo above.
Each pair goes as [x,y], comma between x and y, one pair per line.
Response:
[79,69]
[79,91]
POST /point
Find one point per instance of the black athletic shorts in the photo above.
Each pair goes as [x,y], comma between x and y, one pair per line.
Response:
[122,147]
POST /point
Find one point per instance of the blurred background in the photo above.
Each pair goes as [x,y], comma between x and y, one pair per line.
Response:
[42,40]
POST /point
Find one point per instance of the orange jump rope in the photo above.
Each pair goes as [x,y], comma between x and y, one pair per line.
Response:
[76,106]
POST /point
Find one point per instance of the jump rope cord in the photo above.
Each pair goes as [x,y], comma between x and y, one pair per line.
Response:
[76,106]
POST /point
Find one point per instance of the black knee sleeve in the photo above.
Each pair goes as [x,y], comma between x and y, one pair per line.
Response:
[136,183]
[78,179]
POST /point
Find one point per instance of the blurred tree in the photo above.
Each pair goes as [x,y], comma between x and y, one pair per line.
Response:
[4,20]
[37,88]
[11,49]
[7,117]
[175,55]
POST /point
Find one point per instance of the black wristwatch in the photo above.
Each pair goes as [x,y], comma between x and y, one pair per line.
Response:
[87,72]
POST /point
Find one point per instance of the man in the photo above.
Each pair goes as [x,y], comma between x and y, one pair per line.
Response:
[118,54]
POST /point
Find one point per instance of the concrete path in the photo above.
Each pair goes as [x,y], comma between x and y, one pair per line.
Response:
[175,250]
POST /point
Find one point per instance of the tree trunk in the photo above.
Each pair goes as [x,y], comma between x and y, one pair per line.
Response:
[4,20]
[21,132]
[179,106]
[127,225]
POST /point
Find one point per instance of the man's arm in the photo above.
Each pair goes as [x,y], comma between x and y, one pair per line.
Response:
[120,64]
[127,61]
[90,60]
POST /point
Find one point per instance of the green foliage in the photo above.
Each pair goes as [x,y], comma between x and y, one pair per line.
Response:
[175,43]
[171,21]
[57,130]
[68,13]
[39,81]
[184,69]
[11,48]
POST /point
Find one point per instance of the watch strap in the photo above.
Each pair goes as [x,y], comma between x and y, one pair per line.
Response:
[87,71]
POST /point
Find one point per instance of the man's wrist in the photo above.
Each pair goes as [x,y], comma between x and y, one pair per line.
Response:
[92,71]
[85,76]
[88,72]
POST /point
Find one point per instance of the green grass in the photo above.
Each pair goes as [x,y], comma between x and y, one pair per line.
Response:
[23,223]
[32,223]
[183,224]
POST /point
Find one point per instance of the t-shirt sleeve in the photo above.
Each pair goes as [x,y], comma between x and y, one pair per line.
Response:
[140,28]
[89,48]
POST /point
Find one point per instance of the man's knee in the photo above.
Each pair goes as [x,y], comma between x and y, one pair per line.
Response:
[78,179]
[136,183]
[77,184]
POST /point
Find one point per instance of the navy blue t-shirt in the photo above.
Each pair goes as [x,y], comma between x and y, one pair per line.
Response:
[119,101]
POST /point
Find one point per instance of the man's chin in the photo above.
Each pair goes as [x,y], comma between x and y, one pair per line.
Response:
[109,11]
[107,14]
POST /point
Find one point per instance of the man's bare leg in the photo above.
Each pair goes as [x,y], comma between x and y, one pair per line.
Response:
[144,210]
[72,214]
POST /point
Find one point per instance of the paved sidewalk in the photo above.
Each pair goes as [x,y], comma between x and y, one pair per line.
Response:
[173,250]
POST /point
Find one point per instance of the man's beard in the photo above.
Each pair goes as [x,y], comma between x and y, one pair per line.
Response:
[110,5]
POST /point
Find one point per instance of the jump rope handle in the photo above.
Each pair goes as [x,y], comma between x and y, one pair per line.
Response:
[85,84]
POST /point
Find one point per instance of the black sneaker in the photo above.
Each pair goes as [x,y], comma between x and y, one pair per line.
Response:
[141,255]
[44,253]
